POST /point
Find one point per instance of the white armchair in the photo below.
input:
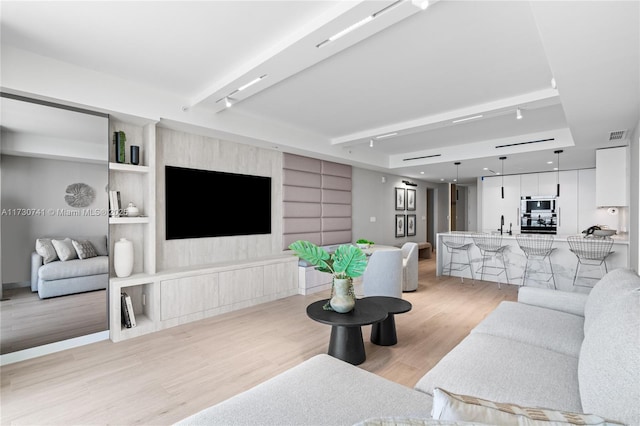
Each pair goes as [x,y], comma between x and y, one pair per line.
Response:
[410,266]
[383,276]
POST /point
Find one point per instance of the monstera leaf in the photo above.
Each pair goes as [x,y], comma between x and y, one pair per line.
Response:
[349,261]
[312,253]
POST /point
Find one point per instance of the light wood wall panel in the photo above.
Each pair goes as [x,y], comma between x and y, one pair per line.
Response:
[181,149]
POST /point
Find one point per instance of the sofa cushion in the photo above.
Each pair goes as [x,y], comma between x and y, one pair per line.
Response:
[45,248]
[84,249]
[452,407]
[322,390]
[65,249]
[74,268]
[609,366]
[412,421]
[504,370]
[545,328]
[608,288]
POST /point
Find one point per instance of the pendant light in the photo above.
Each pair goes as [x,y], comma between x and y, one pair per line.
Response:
[558,152]
[457,163]
[502,188]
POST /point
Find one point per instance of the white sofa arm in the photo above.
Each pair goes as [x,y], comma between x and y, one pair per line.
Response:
[564,301]
[36,263]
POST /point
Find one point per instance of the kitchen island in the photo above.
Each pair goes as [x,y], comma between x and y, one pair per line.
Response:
[564,263]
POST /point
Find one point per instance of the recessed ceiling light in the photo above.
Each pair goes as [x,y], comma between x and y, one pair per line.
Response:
[549,162]
[421,173]
[441,179]
[555,168]
[485,168]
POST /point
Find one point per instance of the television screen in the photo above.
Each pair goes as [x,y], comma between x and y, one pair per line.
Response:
[240,204]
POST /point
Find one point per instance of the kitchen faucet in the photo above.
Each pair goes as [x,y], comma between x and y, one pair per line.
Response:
[501,223]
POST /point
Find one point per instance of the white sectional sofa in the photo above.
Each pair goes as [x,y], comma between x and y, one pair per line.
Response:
[566,356]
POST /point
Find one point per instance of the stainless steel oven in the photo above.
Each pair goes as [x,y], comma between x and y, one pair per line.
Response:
[538,215]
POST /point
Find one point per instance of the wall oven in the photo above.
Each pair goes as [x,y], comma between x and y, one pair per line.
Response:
[538,215]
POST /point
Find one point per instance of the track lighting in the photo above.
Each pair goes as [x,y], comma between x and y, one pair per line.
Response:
[422,4]
[409,183]
[518,114]
[227,102]
[370,143]
[553,83]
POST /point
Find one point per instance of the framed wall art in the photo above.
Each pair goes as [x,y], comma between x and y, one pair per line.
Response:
[411,199]
[401,202]
[411,225]
[400,225]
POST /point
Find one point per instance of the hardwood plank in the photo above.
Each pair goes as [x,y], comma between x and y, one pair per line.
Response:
[165,376]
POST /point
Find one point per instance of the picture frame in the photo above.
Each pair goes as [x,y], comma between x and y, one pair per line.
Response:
[411,225]
[400,225]
[400,199]
[411,199]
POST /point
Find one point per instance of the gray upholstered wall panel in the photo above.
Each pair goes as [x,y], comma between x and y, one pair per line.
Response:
[316,201]
[298,193]
[336,237]
[297,209]
[336,169]
[336,197]
[336,224]
[336,210]
[306,164]
[297,225]
[298,178]
[336,182]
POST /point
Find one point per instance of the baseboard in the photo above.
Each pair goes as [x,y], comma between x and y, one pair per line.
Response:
[9,286]
[50,348]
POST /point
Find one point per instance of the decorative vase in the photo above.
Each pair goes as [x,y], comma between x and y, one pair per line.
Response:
[123,257]
[135,155]
[132,210]
[343,298]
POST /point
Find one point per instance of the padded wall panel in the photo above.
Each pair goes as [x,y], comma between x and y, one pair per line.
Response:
[315,238]
[297,162]
[336,224]
[298,193]
[296,209]
[336,182]
[336,210]
[294,225]
[336,197]
[336,169]
[336,237]
[298,178]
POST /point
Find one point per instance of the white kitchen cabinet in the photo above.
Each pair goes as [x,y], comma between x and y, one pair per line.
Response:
[534,184]
[612,177]
[567,203]
[494,206]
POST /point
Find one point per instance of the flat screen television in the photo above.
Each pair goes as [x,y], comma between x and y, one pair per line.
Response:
[240,204]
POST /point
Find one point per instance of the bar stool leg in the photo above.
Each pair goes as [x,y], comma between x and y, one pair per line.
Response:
[553,277]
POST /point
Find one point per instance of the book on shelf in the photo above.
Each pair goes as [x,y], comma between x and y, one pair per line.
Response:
[126,310]
[115,205]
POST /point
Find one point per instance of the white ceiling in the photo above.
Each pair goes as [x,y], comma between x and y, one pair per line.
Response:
[407,71]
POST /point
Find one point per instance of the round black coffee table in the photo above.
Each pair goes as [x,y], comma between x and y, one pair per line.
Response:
[346,333]
[383,333]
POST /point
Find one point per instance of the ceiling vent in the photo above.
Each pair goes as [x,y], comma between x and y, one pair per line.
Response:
[525,143]
[421,158]
[617,135]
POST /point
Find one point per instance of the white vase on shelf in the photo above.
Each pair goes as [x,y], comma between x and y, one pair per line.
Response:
[123,257]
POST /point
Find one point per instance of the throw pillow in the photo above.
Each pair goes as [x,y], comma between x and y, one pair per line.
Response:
[45,248]
[65,249]
[84,249]
[453,407]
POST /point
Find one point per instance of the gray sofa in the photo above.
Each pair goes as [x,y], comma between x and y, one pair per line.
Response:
[562,351]
[59,278]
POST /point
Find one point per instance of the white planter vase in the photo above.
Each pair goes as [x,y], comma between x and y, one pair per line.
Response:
[123,257]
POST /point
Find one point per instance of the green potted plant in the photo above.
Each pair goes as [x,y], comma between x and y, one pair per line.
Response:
[364,243]
[345,263]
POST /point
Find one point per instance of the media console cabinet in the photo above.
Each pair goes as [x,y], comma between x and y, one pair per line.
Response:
[174,297]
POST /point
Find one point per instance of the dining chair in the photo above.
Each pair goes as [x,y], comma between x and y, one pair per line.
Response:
[409,266]
[383,275]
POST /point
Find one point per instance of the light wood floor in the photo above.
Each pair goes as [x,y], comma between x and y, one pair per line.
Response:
[28,321]
[163,377]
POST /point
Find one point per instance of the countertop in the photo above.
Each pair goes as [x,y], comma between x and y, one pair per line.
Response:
[617,239]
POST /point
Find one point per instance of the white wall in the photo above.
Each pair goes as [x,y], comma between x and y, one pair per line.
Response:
[634,209]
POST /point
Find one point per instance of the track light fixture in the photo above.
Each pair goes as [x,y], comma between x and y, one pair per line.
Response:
[558,152]
[370,143]
[409,183]
[422,4]
[502,188]
[227,102]
[518,114]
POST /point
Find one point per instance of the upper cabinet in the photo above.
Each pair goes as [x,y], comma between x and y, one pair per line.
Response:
[612,177]
[534,184]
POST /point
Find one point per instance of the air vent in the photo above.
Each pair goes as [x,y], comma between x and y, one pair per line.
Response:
[525,143]
[617,135]
[421,158]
